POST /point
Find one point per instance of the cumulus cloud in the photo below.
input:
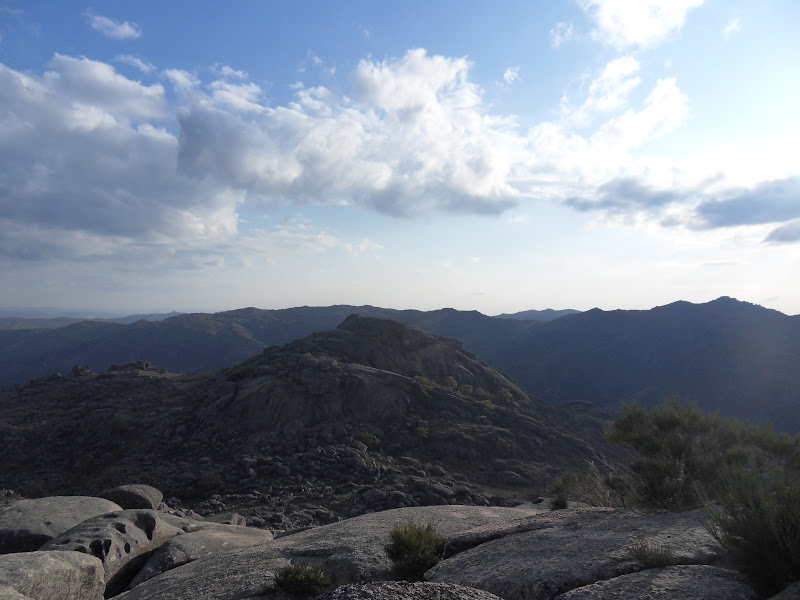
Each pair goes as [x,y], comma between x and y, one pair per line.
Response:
[97,165]
[511,75]
[85,154]
[769,202]
[138,63]
[413,137]
[735,26]
[561,34]
[626,23]
[789,233]
[114,29]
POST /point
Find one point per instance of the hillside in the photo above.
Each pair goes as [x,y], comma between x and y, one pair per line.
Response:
[201,342]
[732,356]
[372,404]
[727,355]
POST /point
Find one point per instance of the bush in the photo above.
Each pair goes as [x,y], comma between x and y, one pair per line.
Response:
[652,556]
[302,579]
[682,451]
[757,519]
[595,487]
[559,501]
[413,549]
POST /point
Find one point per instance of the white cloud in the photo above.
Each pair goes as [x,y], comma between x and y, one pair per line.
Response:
[511,75]
[735,26]
[114,29]
[561,34]
[625,23]
[181,80]
[414,137]
[228,72]
[609,91]
[144,67]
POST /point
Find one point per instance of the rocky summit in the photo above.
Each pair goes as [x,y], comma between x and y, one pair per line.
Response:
[308,455]
[491,553]
[371,415]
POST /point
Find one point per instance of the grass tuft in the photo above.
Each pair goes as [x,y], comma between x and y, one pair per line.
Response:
[413,549]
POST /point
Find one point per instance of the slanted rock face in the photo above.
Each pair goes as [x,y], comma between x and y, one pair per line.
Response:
[52,575]
[684,582]
[121,540]
[554,553]
[353,548]
[7,593]
[134,496]
[28,524]
[202,539]
[402,590]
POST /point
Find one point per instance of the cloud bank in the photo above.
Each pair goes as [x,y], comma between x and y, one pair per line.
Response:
[98,165]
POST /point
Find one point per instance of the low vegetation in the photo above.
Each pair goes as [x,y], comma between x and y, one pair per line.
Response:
[746,477]
[652,555]
[303,579]
[756,517]
[413,549]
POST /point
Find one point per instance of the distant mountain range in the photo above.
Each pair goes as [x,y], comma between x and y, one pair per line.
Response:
[24,320]
[538,315]
[727,355]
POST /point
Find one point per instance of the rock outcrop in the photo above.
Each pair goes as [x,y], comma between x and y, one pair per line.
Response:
[491,552]
[134,496]
[28,524]
[121,540]
[700,582]
[50,575]
[554,553]
[402,590]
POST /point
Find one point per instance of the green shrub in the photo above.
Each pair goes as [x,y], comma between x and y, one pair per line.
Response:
[757,519]
[607,487]
[450,382]
[652,556]
[682,451]
[302,579]
[413,549]
[421,432]
[559,501]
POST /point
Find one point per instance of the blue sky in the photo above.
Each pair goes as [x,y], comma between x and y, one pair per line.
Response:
[497,157]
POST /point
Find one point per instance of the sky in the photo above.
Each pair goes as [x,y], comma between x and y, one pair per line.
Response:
[499,157]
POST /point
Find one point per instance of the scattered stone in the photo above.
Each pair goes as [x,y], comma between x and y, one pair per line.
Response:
[28,524]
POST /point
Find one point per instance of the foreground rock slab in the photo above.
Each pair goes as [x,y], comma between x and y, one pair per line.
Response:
[51,576]
[7,593]
[28,524]
[554,553]
[121,540]
[686,582]
[352,548]
[402,590]
[202,540]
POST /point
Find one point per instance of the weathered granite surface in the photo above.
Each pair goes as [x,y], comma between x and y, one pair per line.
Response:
[121,540]
[28,524]
[402,590]
[52,575]
[353,548]
[690,582]
[559,551]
